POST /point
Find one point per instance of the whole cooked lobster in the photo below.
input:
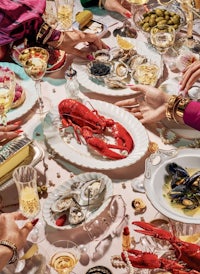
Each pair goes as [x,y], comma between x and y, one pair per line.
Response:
[186,252]
[94,127]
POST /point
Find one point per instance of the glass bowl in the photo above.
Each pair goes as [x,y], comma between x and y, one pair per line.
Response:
[148,16]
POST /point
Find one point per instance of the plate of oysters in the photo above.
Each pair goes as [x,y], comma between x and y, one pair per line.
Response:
[114,70]
[78,200]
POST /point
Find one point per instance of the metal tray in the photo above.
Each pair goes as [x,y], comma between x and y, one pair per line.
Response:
[36,154]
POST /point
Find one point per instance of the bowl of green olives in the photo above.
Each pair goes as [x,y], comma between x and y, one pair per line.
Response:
[149,16]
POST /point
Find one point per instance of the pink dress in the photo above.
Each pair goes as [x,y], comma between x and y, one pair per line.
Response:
[191,116]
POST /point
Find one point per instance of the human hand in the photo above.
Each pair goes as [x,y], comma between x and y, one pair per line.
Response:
[190,75]
[11,232]
[122,7]
[149,105]
[9,132]
[74,37]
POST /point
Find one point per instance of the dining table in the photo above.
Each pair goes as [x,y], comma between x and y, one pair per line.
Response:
[100,243]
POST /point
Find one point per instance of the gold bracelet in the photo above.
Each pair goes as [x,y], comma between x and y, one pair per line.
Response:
[181,106]
[173,114]
[13,247]
[169,109]
[101,3]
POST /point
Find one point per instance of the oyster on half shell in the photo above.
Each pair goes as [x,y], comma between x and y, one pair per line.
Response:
[121,70]
[136,60]
[92,190]
[115,82]
[76,214]
[65,202]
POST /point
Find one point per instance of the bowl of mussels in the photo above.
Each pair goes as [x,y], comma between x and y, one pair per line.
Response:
[172,183]
[152,15]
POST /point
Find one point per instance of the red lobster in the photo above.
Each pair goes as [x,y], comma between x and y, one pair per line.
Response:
[88,122]
[186,252]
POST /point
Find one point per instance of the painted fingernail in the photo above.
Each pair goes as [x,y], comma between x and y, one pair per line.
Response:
[90,57]
[18,131]
[128,14]
[34,222]
[17,123]
[108,47]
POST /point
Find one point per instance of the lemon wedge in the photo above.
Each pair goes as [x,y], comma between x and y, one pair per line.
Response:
[30,252]
[124,43]
[194,238]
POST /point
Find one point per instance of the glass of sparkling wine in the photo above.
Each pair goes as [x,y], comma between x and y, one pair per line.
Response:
[34,61]
[25,178]
[64,14]
[63,256]
[7,92]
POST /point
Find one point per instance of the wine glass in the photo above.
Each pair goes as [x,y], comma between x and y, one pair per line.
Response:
[63,256]
[64,14]
[25,178]
[162,38]
[34,61]
[7,92]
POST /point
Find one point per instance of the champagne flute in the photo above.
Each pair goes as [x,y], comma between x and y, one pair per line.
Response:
[64,14]
[7,92]
[34,61]
[25,178]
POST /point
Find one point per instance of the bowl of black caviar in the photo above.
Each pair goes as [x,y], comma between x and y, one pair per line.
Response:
[99,70]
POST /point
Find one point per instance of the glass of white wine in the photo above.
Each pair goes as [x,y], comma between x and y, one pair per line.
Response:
[162,37]
[63,256]
[7,92]
[64,14]
[34,61]
[25,178]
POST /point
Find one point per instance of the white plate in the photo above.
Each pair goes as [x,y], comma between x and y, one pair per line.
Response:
[171,86]
[154,181]
[83,78]
[79,153]
[71,184]
[29,87]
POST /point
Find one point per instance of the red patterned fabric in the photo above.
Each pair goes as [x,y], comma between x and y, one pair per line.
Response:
[20,18]
[191,115]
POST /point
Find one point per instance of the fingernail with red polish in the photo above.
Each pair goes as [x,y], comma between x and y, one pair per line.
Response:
[128,14]
[18,131]
[17,123]
[90,57]
[34,222]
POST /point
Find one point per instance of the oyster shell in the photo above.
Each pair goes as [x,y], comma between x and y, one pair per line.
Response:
[64,202]
[121,69]
[115,82]
[92,190]
[116,53]
[76,215]
[102,55]
[126,57]
[136,60]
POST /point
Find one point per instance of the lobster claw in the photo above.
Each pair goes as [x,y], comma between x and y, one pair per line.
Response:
[149,260]
[152,230]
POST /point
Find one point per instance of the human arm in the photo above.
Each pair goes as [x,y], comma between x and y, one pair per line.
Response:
[190,75]
[121,7]
[9,231]
[152,105]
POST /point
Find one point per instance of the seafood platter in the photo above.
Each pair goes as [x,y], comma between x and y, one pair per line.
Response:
[114,70]
[95,134]
[172,184]
[78,200]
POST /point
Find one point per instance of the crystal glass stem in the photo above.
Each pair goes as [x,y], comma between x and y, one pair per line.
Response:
[40,101]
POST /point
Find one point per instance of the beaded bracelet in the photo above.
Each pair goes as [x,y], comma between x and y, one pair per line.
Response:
[13,247]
